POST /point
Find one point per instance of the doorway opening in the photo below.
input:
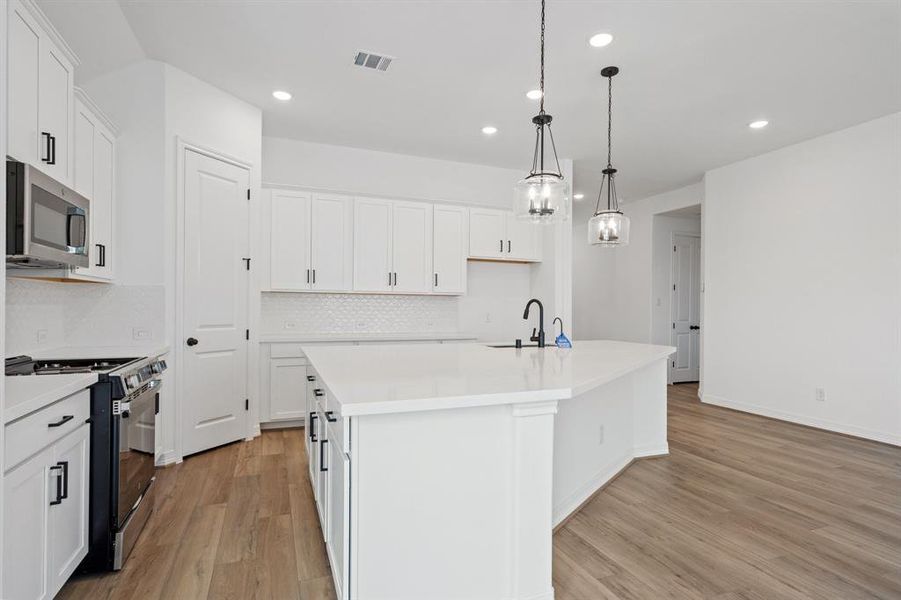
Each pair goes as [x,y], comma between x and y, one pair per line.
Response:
[678,290]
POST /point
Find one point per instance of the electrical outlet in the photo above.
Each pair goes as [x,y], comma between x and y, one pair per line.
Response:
[361,325]
[290,324]
[42,335]
[139,333]
[601,435]
[821,394]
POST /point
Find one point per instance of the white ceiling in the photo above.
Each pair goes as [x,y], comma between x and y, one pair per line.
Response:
[694,73]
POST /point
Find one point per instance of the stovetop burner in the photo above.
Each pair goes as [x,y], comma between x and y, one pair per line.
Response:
[25,365]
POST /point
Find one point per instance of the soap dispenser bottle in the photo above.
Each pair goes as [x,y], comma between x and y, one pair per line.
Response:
[562,341]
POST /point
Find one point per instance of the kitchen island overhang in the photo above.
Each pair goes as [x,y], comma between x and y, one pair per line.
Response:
[457,460]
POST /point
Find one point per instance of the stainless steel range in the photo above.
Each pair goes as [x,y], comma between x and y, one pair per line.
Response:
[124,405]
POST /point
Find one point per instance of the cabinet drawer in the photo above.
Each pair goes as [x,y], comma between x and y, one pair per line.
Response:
[31,433]
[282,350]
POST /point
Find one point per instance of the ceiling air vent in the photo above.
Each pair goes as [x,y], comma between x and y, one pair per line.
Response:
[372,61]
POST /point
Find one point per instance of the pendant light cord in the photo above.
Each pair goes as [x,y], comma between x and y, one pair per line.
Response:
[612,203]
[541,78]
[609,121]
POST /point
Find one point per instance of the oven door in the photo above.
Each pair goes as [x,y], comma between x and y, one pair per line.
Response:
[137,423]
[54,222]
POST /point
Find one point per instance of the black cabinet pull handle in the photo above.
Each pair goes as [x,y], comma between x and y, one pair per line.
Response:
[314,276]
[502,245]
[103,254]
[313,415]
[508,245]
[322,466]
[52,160]
[395,278]
[436,279]
[191,341]
[59,484]
[389,278]
[46,158]
[329,416]
[318,392]
[311,378]
[63,420]
[65,465]
[99,262]
[695,327]
[308,276]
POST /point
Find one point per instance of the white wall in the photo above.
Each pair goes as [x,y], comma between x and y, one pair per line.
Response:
[616,300]
[803,282]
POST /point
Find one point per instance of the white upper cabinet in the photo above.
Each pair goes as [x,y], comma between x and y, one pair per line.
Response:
[412,247]
[450,241]
[94,177]
[310,241]
[373,271]
[40,84]
[331,253]
[487,233]
[289,264]
[499,235]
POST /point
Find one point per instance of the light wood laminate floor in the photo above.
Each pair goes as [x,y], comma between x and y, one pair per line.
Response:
[744,508]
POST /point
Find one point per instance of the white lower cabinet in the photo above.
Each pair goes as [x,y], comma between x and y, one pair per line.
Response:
[46,517]
[287,388]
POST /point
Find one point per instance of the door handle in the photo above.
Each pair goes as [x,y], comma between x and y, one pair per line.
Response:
[191,341]
[322,466]
[59,484]
[63,420]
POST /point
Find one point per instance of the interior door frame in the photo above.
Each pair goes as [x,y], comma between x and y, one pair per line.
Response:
[672,304]
[178,347]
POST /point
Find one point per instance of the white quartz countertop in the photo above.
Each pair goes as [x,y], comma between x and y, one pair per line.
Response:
[407,377]
[28,393]
[69,352]
[363,337]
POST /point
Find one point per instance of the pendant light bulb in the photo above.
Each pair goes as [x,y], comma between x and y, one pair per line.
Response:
[608,227]
[543,196]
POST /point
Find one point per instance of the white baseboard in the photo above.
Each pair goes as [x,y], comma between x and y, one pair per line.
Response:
[568,505]
[861,432]
[287,424]
[167,458]
[549,595]
[651,450]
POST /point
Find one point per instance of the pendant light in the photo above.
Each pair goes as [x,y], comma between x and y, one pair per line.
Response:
[543,196]
[609,227]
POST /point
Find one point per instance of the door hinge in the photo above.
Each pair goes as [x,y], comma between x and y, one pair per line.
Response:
[674,325]
[248,193]
[246,263]
[674,364]
[246,403]
[674,248]
[674,287]
[246,334]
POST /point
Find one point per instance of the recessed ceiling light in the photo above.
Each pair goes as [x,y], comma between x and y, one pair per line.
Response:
[489,130]
[280,95]
[758,124]
[534,95]
[578,196]
[599,40]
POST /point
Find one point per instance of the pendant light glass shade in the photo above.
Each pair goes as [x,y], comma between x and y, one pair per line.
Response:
[609,227]
[543,196]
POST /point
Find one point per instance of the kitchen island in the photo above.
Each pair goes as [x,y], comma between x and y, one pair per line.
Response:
[440,471]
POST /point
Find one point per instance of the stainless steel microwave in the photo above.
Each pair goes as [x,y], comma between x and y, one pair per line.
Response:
[46,222]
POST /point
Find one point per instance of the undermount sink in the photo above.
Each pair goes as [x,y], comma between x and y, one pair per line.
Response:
[513,346]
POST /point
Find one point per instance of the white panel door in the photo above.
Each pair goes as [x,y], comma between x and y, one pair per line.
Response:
[487,233]
[372,245]
[522,239]
[332,243]
[214,303]
[412,247]
[26,498]
[24,55]
[287,388]
[289,259]
[83,158]
[69,519]
[55,108]
[685,366]
[449,243]
[102,206]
